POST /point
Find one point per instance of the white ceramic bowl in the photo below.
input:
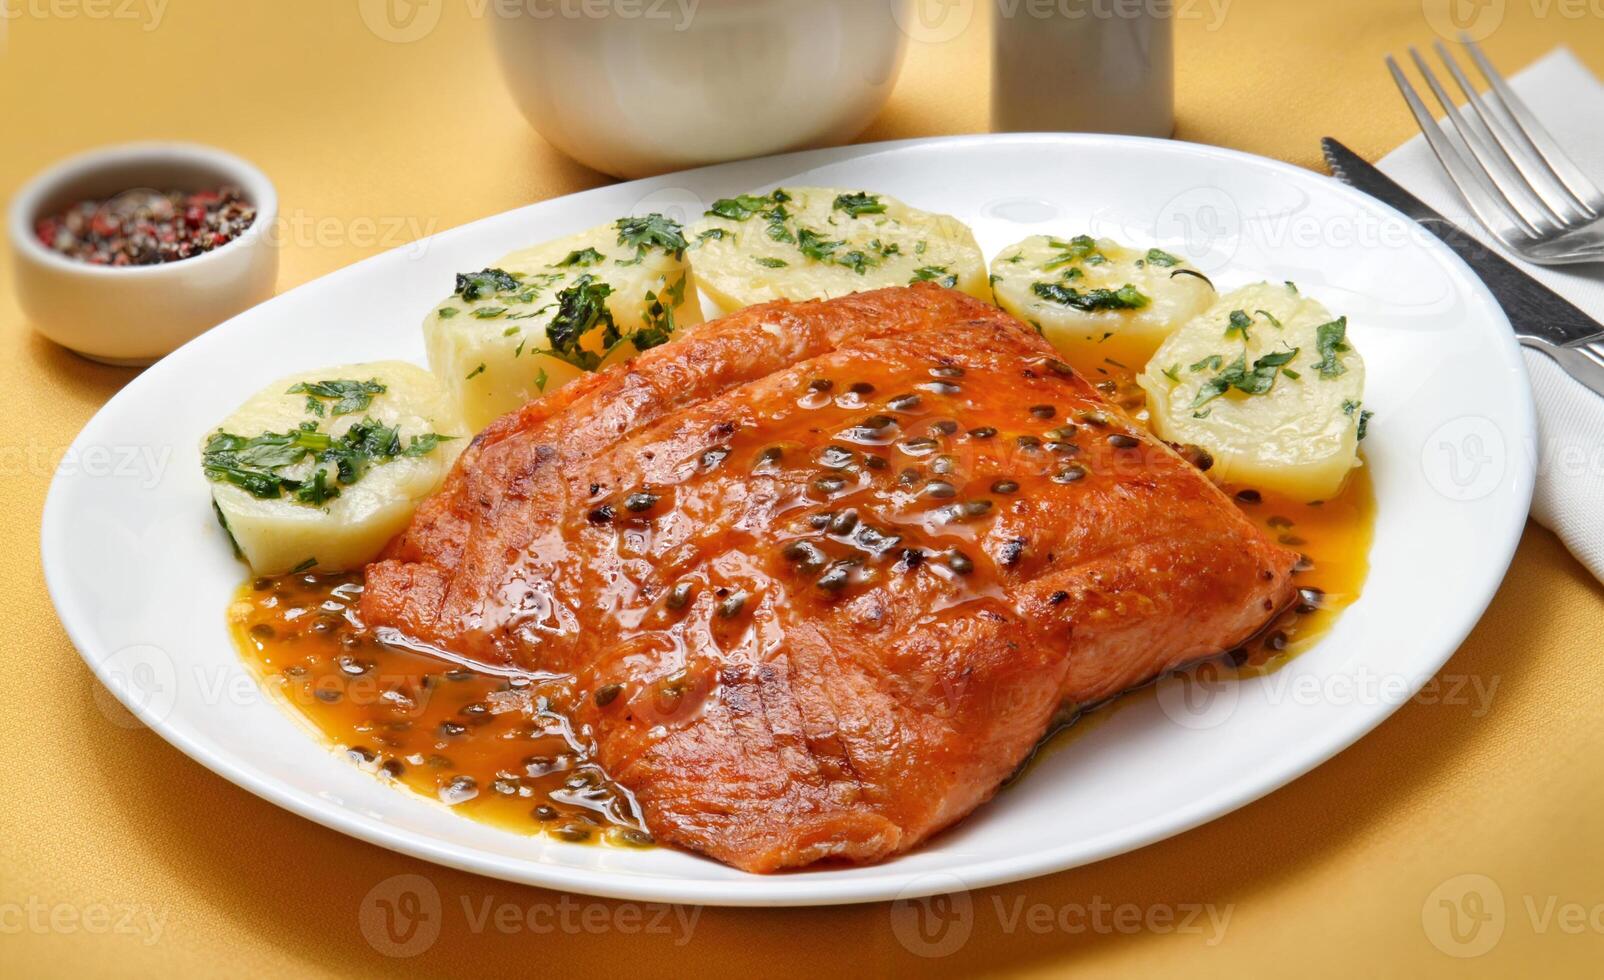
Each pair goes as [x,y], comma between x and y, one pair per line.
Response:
[136,314]
[644,88]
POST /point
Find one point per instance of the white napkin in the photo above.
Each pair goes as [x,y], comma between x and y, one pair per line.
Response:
[1569,496]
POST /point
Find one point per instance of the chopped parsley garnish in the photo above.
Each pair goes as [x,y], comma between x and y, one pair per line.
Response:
[348,396]
[1255,381]
[660,316]
[581,257]
[304,566]
[1269,316]
[582,308]
[741,207]
[447,312]
[1364,423]
[1210,363]
[711,234]
[1126,297]
[859,204]
[489,312]
[257,464]
[1330,339]
[476,372]
[1239,323]
[935,273]
[815,246]
[770,263]
[541,380]
[1077,249]
[651,231]
[487,282]
[1173,372]
[1161,258]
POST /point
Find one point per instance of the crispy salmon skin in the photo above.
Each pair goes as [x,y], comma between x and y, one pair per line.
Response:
[825,571]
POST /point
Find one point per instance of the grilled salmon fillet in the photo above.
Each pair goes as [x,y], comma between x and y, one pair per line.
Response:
[824,572]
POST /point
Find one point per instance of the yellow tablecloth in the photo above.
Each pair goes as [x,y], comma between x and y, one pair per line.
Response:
[118,854]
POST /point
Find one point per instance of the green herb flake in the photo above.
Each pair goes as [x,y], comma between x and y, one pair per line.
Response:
[770,263]
[347,395]
[582,310]
[1239,324]
[582,258]
[1161,258]
[1330,339]
[476,372]
[935,273]
[304,566]
[1126,297]
[487,282]
[447,312]
[651,231]
[1255,381]
[859,204]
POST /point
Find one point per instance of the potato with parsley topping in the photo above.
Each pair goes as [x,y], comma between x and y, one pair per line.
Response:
[822,243]
[1102,305]
[543,316]
[1268,382]
[319,470]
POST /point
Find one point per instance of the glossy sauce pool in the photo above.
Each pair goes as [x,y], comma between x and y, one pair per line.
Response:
[494,746]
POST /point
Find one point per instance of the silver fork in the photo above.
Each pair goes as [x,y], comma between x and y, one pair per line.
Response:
[1518,182]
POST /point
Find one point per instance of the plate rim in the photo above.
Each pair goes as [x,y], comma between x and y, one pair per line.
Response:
[818,888]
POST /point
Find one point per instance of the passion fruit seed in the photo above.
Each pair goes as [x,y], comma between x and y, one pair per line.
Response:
[1120,440]
[637,503]
[983,432]
[680,595]
[732,605]
[903,403]
[836,577]
[1072,473]
[805,554]
[1004,486]
[1043,411]
[960,562]
[607,694]
[941,490]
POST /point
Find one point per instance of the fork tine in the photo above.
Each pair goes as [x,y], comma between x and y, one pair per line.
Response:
[1582,190]
[1484,200]
[1503,177]
[1541,181]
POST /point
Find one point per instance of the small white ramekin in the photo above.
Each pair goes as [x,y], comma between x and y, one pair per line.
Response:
[136,314]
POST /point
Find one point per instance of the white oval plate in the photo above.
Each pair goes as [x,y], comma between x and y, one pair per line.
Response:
[141,575]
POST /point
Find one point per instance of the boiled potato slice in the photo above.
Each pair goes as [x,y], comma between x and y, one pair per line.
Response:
[320,469]
[541,317]
[1104,306]
[821,243]
[1269,384]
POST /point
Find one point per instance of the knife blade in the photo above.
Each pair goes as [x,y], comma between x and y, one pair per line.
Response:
[1536,312]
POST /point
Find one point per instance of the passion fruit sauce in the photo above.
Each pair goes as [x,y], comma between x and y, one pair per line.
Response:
[490,745]
[499,747]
